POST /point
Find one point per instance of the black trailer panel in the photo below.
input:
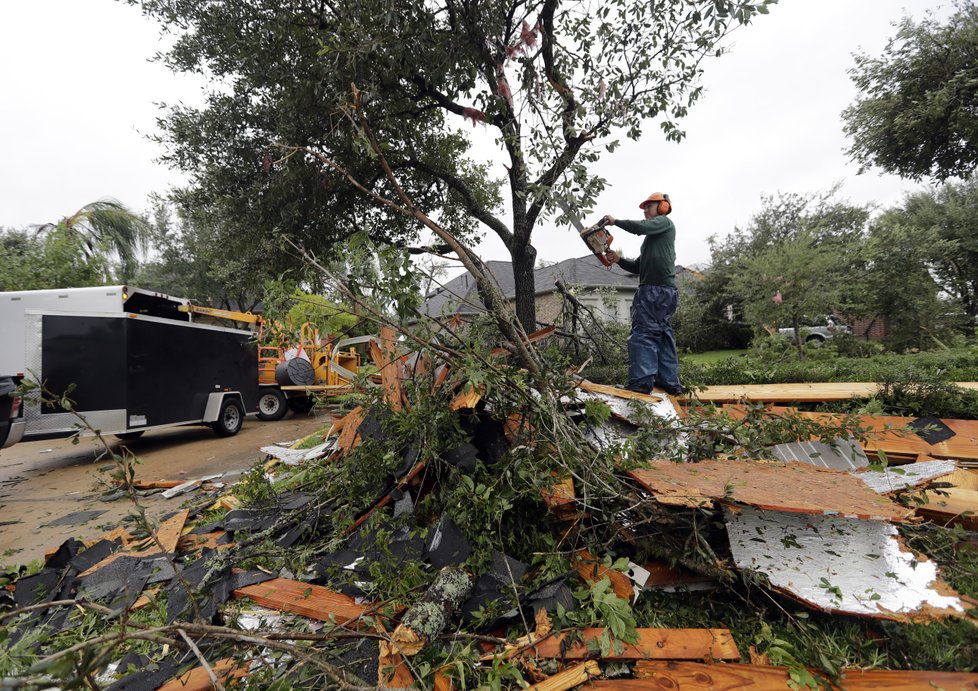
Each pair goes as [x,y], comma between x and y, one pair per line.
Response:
[128,372]
[86,355]
[173,367]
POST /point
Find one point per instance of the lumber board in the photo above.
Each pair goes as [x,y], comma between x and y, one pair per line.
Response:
[962,479]
[889,433]
[691,676]
[801,393]
[349,426]
[467,398]
[569,678]
[779,486]
[313,601]
[952,505]
[592,570]
[535,337]
[167,537]
[385,357]
[197,679]
[591,387]
[653,644]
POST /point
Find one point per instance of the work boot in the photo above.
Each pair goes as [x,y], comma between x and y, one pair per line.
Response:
[677,390]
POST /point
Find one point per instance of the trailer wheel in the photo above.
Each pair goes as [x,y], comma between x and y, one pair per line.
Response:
[301,406]
[272,404]
[129,436]
[229,419]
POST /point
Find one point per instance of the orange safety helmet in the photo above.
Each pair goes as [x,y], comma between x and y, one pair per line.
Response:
[665,206]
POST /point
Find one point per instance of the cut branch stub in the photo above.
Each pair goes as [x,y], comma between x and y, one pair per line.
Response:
[430,615]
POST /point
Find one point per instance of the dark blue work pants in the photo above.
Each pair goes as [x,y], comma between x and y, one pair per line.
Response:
[652,357]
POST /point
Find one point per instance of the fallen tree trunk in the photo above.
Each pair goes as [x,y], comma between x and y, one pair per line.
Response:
[429,616]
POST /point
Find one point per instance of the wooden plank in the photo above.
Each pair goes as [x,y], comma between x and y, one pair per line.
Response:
[692,676]
[962,479]
[779,486]
[951,506]
[654,644]
[196,541]
[890,434]
[350,424]
[592,570]
[569,678]
[801,393]
[620,393]
[313,601]
[467,398]
[535,337]
[385,357]
[663,575]
[167,536]
[560,497]
[197,679]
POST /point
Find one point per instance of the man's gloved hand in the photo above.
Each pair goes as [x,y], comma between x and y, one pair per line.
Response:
[612,256]
[609,220]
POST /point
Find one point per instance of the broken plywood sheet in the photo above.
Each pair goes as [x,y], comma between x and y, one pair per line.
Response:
[793,487]
[841,454]
[840,565]
[951,506]
[313,601]
[623,407]
[905,476]
[892,435]
[624,396]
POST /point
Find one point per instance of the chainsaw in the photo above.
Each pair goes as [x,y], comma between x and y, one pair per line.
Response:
[597,238]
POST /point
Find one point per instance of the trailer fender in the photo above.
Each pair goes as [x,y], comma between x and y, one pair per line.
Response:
[214,402]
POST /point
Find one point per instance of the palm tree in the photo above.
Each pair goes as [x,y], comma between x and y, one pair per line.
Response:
[108,231]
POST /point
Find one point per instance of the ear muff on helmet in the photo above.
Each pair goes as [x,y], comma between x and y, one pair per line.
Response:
[664,205]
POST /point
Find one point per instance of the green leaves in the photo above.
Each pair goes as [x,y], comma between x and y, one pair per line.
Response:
[913,116]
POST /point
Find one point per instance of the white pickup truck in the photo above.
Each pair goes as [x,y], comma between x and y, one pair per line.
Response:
[818,332]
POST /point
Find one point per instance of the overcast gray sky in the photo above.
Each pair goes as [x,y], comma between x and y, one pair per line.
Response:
[78,98]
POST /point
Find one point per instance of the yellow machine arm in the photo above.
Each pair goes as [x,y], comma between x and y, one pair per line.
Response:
[246,317]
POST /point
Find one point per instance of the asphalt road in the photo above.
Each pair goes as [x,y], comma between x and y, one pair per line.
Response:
[44,481]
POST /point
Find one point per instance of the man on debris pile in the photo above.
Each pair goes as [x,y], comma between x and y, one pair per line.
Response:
[652,358]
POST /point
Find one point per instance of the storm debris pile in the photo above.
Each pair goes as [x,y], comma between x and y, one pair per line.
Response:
[469,526]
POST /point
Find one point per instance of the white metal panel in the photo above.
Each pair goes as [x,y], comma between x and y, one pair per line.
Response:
[838,564]
[14,305]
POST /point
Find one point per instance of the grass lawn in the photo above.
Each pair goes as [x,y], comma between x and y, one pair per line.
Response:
[710,356]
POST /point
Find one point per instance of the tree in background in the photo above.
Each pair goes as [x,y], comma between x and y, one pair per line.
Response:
[193,260]
[945,220]
[55,259]
[898,284]
[916,114]
[797,279]
[555,82]
[109,233]
[796,258]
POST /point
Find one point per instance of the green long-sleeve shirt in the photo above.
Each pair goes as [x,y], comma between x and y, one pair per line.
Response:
[656,264]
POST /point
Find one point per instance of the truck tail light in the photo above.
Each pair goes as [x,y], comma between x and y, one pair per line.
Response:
[15,406]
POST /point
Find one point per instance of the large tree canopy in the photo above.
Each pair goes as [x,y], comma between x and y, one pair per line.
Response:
[945,220]
[917,113]
[556,81]
[796,259]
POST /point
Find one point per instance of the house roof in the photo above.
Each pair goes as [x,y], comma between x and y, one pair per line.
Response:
[460,295]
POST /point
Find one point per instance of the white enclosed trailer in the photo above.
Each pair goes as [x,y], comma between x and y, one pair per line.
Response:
[128,359]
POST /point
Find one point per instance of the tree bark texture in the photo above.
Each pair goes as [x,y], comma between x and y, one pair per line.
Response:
[429,616]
